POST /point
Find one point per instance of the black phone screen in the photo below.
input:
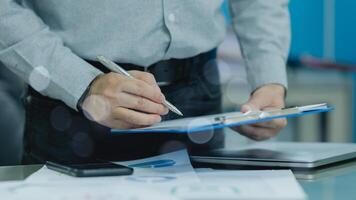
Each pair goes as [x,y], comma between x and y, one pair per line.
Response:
[100,168]
[95,166]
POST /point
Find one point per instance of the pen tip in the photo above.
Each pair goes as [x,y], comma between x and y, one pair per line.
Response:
[179,113]
[100,57]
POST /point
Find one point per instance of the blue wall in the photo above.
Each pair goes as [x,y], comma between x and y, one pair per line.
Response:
[308,29]
[309,19]
[345,30]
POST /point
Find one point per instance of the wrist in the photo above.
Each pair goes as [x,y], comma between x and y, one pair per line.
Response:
[85,94]
[272,88]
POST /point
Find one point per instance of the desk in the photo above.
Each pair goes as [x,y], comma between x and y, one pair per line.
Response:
[338,183]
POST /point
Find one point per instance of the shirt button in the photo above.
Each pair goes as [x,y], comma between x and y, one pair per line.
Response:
[172,17]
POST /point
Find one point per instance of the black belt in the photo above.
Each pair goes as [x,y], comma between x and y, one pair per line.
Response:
[165,72]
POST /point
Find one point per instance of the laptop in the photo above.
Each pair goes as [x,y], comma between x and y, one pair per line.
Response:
[280,155]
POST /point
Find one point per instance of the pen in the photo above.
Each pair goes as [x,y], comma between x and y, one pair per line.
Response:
[116,68]
[155,164]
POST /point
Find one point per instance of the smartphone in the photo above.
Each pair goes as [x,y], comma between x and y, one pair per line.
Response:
[97,168]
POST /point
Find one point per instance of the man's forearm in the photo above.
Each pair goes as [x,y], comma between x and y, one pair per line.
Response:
[38,56]
[263,30]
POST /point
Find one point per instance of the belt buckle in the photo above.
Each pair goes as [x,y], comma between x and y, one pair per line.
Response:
[159,83]
[163,83]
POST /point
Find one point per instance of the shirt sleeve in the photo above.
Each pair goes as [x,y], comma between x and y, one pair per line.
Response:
[39,57]
[263,30]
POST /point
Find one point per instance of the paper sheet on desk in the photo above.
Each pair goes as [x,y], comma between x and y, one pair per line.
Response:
[243,184]
[173,176]
[170,168]
[74,191]
[213,184]
[152,176]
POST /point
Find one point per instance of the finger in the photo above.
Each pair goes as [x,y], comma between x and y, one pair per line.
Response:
[249,107]
[273,124]
[270,95]
[119,124]
[260,102]
[144,76]
[134,117]
[255,104]
[141,88]
[256,133]
[140,104]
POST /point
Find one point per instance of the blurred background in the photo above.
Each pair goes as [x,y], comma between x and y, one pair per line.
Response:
[321,68]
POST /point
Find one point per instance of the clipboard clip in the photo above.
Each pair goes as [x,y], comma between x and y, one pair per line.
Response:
[244,116]
[220,120]
[260,115]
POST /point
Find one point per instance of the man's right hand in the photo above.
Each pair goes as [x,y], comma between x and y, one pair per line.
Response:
[119,102]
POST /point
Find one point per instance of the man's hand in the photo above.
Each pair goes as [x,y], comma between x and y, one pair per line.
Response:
[267,97]
[119,102]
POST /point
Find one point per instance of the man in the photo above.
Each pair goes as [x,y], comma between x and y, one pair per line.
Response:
[53,44]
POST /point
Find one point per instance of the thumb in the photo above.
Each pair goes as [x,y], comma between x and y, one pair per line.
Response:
[255,103]
[249,107]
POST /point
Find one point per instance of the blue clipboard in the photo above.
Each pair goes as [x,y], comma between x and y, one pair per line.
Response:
[219,121]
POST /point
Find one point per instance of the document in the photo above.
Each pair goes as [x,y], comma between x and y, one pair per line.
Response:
[171,168]
[168,176]
[243,184]
[218,121]
[20,190]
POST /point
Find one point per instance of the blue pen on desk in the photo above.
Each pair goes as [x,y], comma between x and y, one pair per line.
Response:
[155,164]
[116,68]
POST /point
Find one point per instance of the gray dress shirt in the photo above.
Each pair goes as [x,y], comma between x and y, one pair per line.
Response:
[45,42]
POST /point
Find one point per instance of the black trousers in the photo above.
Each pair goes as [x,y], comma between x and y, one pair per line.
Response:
[58,133]
[12,116]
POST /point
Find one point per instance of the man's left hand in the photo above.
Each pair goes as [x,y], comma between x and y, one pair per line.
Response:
[267,97]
